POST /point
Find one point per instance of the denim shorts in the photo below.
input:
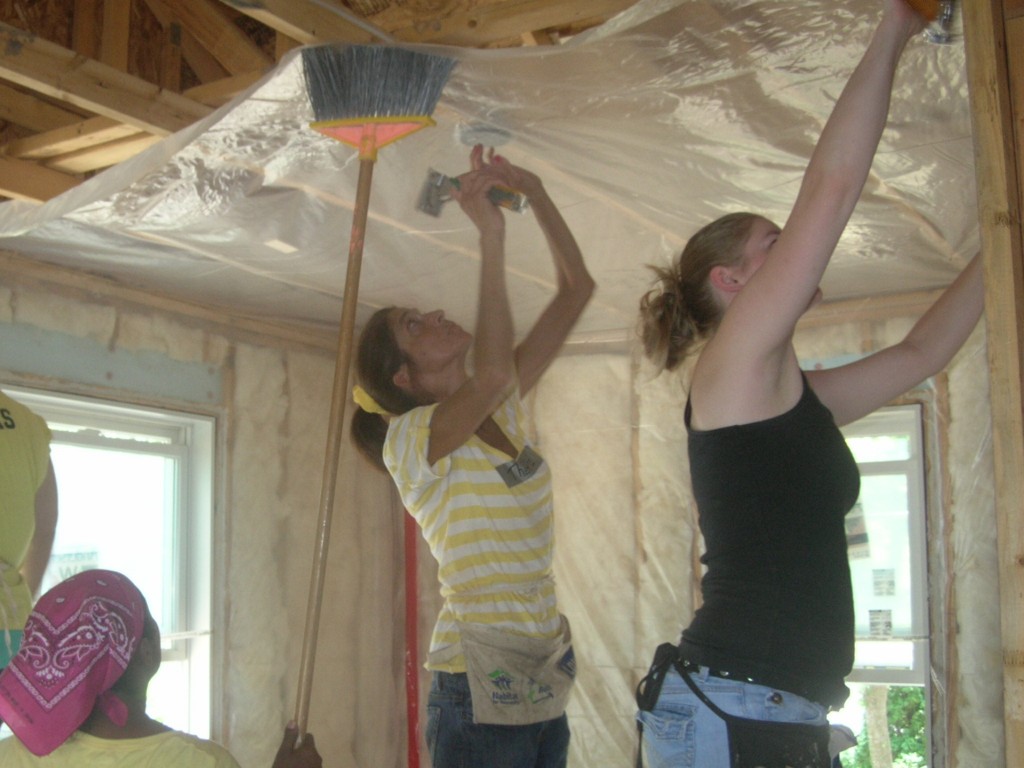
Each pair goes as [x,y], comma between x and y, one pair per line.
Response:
[455,741]
[681,732]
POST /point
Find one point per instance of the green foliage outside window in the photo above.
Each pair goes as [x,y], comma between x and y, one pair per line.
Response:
[907,711]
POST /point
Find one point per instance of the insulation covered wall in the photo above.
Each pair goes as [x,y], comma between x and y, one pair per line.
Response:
[625,525]
[271,404]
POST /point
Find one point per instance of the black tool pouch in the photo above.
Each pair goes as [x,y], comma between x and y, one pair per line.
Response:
[752,743]
[648,689]
[765,744]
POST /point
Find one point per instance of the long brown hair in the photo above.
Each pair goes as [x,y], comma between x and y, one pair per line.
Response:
[681,309]
[378,359]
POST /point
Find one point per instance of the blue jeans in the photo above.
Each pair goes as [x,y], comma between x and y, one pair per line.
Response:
[455,741]
[681,732]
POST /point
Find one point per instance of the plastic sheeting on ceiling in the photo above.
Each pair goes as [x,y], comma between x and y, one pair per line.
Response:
[669,115]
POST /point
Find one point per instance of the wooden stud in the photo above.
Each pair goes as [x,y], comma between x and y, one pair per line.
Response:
[991,77]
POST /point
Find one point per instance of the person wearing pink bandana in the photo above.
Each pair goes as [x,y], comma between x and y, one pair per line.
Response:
[75,694]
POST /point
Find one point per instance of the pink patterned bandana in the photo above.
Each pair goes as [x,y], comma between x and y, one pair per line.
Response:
[77,643]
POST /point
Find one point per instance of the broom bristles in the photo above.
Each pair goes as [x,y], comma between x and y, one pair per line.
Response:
[353,81]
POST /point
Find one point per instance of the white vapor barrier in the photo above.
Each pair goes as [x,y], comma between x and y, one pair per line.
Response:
[643,129]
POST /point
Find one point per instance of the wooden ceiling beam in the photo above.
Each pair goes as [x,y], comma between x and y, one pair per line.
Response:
[84,25]
[208,24]
[539,37]
[26,110]
[104,155]
[22,180]
[55,71]
[114,33]
[201,61]
[100,142]
[484,22]
[310,21]
[222,91]
[72,138]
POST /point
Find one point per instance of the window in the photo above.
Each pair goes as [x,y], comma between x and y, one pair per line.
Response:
[135,495]
[887,546]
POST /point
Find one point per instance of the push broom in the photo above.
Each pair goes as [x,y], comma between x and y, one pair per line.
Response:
[366,97]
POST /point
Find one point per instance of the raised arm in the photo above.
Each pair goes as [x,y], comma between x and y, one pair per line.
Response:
[575,285]
[855,390]
[759,324]
[462,412]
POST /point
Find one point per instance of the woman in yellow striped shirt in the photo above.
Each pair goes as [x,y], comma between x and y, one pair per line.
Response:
[454,440]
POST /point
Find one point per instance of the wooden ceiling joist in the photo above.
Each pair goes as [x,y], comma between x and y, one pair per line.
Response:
[104,155]
[72,138]
[211,27]
[55,71]
[490,21]
[114,33]
[109,114]
[26,110]
[22,180]
[309,21]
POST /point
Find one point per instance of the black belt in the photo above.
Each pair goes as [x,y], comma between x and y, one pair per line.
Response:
[691,666]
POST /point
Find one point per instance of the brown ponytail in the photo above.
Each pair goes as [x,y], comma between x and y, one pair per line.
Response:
[681,309]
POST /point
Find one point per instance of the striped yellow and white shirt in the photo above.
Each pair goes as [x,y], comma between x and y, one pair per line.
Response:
[488,520]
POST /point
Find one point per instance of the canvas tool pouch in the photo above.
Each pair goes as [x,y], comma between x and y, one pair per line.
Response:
[517,680]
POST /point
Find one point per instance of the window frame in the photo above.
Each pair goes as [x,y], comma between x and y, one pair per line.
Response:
[190,438]
[890,420]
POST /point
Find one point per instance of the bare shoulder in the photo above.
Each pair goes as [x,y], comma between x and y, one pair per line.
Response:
[726,392]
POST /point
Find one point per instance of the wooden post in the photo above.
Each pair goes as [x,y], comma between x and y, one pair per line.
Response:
[994,41]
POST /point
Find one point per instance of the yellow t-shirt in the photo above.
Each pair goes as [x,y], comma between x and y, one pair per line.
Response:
[172,749]
[24,459]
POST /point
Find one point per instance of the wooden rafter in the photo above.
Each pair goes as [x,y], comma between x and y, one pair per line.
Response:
[94,113]
[55,71]
[28,111]
[114,33]
[22,180]
[308,21]
[216,33]
[485,22]
[71,138]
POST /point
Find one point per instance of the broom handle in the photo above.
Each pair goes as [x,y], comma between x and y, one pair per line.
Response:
[929,9]
[335,428]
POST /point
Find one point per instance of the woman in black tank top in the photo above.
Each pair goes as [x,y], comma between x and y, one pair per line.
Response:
[770,470]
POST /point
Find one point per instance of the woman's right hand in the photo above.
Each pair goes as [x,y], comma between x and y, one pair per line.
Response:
[472,194]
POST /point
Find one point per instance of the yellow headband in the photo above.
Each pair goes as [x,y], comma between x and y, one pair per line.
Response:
[365,401]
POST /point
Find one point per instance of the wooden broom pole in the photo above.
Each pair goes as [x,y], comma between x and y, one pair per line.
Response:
[335,430]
